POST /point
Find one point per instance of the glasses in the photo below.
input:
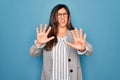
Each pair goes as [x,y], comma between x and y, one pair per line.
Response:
[62,14]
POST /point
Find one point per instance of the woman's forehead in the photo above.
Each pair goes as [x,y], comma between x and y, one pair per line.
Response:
[62,10]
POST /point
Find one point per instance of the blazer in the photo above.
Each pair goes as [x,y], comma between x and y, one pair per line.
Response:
[75,72]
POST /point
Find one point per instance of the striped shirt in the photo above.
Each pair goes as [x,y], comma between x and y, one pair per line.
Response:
[60,59]
[60,63]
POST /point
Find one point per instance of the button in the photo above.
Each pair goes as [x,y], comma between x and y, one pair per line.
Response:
[69,60]
[71,70]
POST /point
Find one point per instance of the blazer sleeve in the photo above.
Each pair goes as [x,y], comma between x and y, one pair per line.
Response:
[35,50]
[89,50]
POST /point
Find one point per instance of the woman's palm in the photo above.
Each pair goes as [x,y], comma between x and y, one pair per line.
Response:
[42,36]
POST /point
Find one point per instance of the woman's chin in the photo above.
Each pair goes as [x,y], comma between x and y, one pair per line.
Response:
[62,25]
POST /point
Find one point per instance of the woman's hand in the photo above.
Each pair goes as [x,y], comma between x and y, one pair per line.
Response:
[79,40]
[42,35]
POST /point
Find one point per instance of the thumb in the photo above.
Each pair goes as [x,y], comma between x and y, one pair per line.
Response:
[50,38]
[70,44]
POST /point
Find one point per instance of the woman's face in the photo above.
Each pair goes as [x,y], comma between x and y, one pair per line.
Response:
[62,17]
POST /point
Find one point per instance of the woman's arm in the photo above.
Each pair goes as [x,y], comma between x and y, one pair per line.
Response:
[35,50]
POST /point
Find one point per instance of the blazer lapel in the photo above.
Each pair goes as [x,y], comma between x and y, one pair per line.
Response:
[69,39]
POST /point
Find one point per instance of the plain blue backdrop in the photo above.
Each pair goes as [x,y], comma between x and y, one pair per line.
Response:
[100,20]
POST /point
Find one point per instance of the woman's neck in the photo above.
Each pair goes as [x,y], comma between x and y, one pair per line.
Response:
[62,32]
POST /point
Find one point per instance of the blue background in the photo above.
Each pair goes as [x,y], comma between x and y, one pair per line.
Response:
[100,20]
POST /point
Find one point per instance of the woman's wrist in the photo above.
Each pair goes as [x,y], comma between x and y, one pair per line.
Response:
[39,44]
[82,50]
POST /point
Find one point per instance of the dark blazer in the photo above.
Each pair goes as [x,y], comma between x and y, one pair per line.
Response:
[75,72]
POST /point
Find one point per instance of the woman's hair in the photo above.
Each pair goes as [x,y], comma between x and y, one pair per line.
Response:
[53,23]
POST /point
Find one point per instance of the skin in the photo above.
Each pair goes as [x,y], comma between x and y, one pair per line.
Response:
[79,38]
[62,21]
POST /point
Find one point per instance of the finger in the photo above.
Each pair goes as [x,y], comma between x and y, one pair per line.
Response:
[70,44]
[37,31]
[76,32]
[73,34]
[50,38]
[40,28]
[45,28]
[84,37]
[48,30]
[81,33]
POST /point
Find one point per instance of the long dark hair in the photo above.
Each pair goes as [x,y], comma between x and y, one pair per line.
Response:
[53,23]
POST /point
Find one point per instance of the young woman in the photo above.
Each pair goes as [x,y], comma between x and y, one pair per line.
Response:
[61,46]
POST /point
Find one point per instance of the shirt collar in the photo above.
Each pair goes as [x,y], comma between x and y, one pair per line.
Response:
[61,39]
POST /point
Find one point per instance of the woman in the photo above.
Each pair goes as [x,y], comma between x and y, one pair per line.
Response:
[61,46]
